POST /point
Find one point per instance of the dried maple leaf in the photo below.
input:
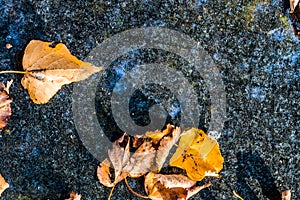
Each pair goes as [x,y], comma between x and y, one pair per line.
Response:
[3,185]
[150,155]
[48,68]
[198,154]
[74,196]
[119,157]
[5,100]
[170,187]
[286,195]
[293,5]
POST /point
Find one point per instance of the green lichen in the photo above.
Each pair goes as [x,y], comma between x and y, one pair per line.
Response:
[284,22]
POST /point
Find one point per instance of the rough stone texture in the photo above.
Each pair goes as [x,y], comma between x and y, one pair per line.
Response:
[42,156]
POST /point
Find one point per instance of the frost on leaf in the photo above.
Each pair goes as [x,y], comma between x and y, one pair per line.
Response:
[48,68]
[5,100]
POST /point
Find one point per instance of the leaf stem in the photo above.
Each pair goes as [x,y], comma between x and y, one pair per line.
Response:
[12,72]
[111,192]
[236,195]
[134,192]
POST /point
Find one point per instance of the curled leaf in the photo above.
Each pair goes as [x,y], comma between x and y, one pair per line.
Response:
[293,5]
[5,100]
[170,187]
[198,154]
[74,196]
[119,157]
[3,185]
[286,195]
[149,155]
[152,153]
[48,68]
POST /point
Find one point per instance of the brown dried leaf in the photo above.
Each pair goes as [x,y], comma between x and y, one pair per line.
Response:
[141,160]
[293,5]
[286,195]
[3,185]
[150,155]
[170,187]
[103,173]
[5,100]
[119,157]
[165,145]
[48,68]
[74,196]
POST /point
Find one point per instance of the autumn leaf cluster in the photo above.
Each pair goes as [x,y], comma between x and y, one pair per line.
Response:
[47,67]
[196,153]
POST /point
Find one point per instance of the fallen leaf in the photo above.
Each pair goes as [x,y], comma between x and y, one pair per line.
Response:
[8,46]
[286,195]
[74,196]
[293,5]
[150,154]
[198,154]
[5,100]
[3,185]
[119,157]
[170,187]
[48,68]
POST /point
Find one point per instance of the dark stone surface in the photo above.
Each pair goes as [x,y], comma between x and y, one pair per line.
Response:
[42,156]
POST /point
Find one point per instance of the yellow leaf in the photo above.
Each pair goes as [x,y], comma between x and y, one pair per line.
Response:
[156,136]
[48,68]
[198,154]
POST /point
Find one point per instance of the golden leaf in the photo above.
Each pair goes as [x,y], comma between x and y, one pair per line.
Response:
[3,185]
[198,154]
[170,187]
[5,100]
[48,68]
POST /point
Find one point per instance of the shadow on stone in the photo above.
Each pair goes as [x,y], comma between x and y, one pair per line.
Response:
[251,164]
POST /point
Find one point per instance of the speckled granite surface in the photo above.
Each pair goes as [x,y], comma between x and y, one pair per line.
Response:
[42,156]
